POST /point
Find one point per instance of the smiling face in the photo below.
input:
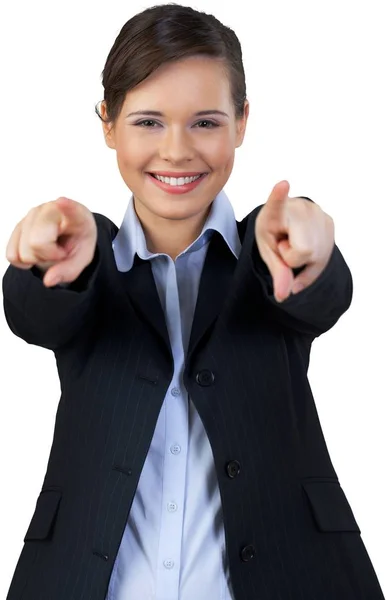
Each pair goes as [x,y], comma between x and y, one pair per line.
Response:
[169,136]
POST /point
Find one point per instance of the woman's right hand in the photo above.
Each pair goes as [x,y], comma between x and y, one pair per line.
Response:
[58,237]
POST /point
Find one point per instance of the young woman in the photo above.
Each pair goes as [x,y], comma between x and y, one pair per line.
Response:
[188,461]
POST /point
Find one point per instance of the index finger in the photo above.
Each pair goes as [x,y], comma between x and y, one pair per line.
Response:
[73,214]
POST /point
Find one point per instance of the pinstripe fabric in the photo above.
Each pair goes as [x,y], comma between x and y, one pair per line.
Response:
[175,528]
[290,531]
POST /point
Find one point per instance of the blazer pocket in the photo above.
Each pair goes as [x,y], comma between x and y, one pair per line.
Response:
[42,522]
[329,506]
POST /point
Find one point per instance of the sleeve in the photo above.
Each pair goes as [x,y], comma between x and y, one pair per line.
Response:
[318,307]
[51,317]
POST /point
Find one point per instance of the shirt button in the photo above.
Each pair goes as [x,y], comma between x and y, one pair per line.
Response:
[175,449]
[168,564]
[172,506]
[175,392]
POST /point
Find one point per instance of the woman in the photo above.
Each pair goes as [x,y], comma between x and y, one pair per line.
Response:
[188,460]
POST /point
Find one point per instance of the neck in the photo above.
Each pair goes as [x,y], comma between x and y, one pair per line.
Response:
[168,236]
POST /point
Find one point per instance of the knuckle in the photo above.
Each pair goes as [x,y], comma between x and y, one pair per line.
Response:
[48,207]
[45,207]
[35,243]
[26,256]
[11,256]
[29,214]
[304,250]
[331,223]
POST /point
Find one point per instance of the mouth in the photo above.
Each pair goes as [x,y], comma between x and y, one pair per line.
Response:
[171,175]
[177,183]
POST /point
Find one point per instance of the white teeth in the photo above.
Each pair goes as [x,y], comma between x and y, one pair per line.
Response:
[175,181]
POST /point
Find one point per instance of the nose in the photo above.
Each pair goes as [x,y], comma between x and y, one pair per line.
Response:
[176,145]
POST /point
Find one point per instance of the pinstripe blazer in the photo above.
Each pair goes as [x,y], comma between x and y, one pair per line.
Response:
[290,531]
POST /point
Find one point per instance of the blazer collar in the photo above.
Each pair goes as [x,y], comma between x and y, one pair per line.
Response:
[219,276]
[130,239]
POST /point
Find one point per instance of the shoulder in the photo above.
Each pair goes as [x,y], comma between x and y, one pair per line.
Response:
[106,227]
[246,225]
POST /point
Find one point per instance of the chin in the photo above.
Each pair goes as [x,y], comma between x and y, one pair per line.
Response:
[176,213]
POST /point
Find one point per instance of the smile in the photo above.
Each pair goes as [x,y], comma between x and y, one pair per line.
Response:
[177,180]
[175,185]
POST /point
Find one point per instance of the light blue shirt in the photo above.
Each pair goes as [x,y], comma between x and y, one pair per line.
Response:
[173,546]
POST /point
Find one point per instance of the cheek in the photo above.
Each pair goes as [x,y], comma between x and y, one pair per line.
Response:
[221,152]
[131,155]
[218,152]
[224,160]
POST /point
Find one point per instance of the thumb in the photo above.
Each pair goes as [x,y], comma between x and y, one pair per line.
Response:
[281,273]
[69,269]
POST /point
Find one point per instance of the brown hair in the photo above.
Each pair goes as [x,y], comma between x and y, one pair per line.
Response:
[162,34]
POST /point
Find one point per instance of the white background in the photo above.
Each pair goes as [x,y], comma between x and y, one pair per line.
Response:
[316,83]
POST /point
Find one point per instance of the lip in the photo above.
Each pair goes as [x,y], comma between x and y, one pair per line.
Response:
[176,174]
[177,189]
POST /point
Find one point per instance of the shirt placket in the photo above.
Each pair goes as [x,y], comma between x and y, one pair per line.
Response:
[175,455]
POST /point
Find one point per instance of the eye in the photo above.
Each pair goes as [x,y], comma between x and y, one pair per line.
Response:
[211,123]
[142,123]
[145,123]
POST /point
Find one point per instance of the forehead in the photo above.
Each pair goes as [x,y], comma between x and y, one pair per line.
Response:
[187,82]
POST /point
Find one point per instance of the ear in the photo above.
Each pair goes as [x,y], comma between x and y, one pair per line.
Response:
[241,125]
[108,130]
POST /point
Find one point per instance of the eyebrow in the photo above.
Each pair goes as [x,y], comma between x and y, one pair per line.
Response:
[156,113]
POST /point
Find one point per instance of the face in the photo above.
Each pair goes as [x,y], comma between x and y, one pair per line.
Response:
[177,141]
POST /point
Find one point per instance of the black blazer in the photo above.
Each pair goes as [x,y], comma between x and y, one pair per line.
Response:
[290,531]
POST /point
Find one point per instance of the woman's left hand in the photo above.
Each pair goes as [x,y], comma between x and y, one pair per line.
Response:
[290,233]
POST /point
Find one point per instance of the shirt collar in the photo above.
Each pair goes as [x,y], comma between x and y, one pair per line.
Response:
[130,238]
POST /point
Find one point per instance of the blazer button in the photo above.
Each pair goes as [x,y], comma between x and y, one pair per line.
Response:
[247,553]
[205,377]
[233,468]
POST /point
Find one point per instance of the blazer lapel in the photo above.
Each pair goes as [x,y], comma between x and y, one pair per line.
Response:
[141,288]
[215,281]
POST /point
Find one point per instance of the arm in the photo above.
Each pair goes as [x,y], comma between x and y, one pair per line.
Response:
[50,317]
[317,308]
